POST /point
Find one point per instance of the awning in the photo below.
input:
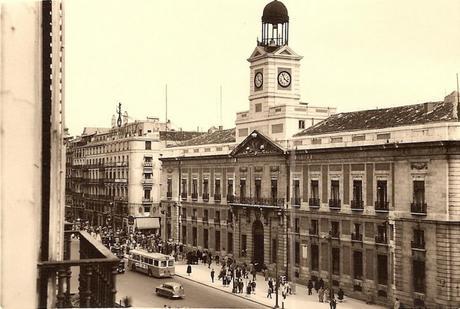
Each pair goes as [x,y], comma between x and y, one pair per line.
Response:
[143,223]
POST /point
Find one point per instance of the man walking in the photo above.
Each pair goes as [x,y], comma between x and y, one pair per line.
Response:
[212,275]
[310,286]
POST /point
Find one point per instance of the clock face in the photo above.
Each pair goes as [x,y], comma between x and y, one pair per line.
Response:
[284,79]
[258,80]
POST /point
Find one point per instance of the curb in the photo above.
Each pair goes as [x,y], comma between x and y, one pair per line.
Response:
[210,286]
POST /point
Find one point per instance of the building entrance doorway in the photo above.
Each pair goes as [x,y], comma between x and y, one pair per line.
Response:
[258,244]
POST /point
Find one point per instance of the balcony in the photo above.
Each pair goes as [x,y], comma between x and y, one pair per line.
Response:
[194,219]
[217,198]
[313,202]
[183,196]
[148,164]
[418,208]
[252,201]
[335,204]
[356,237]
[381,206]
[147,200]
[230,198]
[205,197]
[147,181]
[205,220]
[169,195]
[194,196]
[217,221]
[335,234]
[313,232]
[97,270]
[418,245]
[381,240]
[357,205]
[295,202]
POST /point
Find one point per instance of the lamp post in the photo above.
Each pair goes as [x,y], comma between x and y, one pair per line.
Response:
[280,224]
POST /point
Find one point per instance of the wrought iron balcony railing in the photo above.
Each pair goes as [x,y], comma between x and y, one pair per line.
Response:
[169,195]
[356,237]
[418,208]
[313,202]
[205,197]
[335,204]
[230,198]
[97,271]
[418,245]
[357,205]
[381,206]
[194,196]
[313,232]
[217,198]
[258,201]
[183,195]
[381,239]
[334,234]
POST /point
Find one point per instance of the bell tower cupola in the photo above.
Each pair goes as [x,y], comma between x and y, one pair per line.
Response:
[275,25]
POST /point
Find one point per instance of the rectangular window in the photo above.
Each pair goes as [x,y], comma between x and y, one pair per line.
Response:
[316,141]
[205,215]
[258,188]
[314,257]
[381,192]
[217,234]
[274,188]
[274,250]
[335,190]
[229,215]
[243,132]
[418,275]
[297,225]
[230,242]
[277,128]
[384,136]
[336,261]
[206,238]
[301,124]
[358,264]
[147,194]
[297,253]
[244,244]
[184,186]
[194,235]
[358,191]
[148,145]
[296,191]
[314,185]
[217,218]
[258,107]
[419,192]
[217,187]
[169,193]
[358,138]
[242,188]
[230,187]
[335,229]
[419,239]
[184,234]
[314,227]
[205,186]
[382,269]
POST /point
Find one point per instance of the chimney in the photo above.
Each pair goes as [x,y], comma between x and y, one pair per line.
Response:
[221,128]
[428,107]
[453,99]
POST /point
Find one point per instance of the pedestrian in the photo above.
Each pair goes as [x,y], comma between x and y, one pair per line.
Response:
[340,295]
[253,287]
[317,286]
[212,275]
[321,283]
[241,286]
[248,289]
[332,303]
[266,274]
[270,283]
[254,273]
[270,291]
[189,269]
[321,295]
[309,286]
[209,261]
[397,304]
[326,294]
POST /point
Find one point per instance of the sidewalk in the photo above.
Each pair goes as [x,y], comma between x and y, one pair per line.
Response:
[201,274]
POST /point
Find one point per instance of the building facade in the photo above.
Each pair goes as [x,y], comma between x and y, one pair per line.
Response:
[368,201]
[113,173]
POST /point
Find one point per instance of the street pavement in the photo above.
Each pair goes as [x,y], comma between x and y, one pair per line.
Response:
[141,289]
[201,273]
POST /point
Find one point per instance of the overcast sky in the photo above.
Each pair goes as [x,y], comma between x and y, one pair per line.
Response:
[358,54]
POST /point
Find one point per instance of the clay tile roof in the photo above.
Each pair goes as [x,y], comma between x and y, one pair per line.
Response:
[178,136]
[216,137]
[383,118]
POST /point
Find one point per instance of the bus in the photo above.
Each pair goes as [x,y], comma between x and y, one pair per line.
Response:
[153,264]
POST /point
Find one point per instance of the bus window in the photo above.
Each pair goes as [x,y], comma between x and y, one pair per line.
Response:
[163,263]
[155,262]
[150,261]
[136,257]
[170,263]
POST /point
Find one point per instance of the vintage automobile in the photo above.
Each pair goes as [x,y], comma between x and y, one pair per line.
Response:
[170,290]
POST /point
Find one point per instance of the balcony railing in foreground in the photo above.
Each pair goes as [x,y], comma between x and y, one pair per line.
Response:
[97,271]
[278,202]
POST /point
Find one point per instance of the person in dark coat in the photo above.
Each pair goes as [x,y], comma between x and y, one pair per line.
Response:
[321,283]
[340,295]
[317,286]
[332,303]
[212,275]
[309,286]
[189,269]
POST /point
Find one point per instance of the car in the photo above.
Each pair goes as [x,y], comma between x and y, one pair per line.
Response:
[170,290]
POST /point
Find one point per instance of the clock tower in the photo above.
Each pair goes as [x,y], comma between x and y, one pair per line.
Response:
[274,99]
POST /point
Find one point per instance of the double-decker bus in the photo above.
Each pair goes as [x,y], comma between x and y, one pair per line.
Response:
[153,264]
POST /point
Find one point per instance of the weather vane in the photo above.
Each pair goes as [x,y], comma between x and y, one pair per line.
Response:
[119,115]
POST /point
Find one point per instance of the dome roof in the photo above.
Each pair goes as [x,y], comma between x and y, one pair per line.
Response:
[275,13]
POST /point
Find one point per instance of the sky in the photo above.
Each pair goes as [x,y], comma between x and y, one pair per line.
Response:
[358,54]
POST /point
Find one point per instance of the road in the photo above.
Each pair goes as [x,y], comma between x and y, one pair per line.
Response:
[141,288]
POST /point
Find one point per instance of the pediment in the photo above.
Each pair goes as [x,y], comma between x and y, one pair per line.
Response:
[258,51]
[256,144]
[286,51]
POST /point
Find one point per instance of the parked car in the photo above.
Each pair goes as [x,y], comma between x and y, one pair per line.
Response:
[170,290]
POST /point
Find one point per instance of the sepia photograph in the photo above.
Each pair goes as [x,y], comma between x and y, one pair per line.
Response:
[230,154]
